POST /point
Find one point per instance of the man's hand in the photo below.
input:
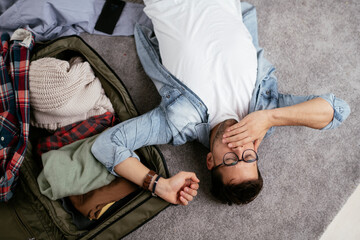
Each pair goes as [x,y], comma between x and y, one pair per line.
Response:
[315,113]
[251,128]
[179,189]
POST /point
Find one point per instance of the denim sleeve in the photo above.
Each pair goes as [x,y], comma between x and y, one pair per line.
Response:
[119,142]
[341,108]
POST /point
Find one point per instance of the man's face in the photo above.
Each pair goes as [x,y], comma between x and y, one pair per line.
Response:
[238,173]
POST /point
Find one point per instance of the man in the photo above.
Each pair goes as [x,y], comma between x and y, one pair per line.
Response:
[217,88]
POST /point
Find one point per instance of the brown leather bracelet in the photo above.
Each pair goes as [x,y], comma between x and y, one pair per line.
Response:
[148,179]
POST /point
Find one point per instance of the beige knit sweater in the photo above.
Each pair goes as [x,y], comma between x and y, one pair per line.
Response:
[63,92]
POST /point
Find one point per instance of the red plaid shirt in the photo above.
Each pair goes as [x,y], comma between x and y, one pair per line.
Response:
[14,109]
[76,131]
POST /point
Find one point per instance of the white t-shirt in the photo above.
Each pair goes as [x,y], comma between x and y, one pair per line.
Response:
[205,44]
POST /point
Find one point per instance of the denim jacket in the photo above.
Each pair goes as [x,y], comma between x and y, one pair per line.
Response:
[181,115]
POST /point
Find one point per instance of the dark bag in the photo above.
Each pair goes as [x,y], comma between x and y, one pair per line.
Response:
[31,215]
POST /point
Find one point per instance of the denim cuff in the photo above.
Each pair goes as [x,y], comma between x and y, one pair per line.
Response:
[120,158]
[341,110]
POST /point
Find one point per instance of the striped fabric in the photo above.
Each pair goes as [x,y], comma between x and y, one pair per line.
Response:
[14,107]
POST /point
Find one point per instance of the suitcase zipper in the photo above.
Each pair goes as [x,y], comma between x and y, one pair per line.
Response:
[119,217]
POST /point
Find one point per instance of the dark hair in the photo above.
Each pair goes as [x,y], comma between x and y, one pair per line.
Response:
[241,193]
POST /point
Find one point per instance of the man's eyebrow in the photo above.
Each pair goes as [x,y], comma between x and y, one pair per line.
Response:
[231,180]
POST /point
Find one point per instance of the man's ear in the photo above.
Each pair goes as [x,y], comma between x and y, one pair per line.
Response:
[209,161]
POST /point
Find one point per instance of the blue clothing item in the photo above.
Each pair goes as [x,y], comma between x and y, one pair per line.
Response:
[266,95]
[5,4]
[50,19]
[181,115]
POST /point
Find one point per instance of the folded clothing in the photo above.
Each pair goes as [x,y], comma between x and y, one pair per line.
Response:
[77,171]
[64,92]
[101,211]
[96,202]
[76,131]
[82,222]
[93,204]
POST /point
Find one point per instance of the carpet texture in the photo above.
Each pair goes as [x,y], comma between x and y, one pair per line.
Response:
[308,174]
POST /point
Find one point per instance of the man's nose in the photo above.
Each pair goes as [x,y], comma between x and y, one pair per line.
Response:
[239,150]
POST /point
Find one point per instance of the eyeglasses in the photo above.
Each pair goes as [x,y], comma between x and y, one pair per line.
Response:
[231,159]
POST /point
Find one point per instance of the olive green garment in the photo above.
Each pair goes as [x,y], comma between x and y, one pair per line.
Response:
[72,170]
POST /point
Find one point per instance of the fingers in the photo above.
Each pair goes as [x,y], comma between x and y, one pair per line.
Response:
[190,191]
[194,186]
[233,137]
[187,195]
[232,131]
[236,126]
[236,137]
[243,141]
[183,201]
[191,176]
[242,138]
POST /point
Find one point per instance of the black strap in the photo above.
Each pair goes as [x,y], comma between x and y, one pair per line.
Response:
[154,186]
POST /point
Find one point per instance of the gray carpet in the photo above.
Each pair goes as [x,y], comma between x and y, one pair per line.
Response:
[308,174]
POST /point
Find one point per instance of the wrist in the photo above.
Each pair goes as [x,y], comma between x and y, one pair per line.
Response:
[162,187]
[151,185]
[271,117]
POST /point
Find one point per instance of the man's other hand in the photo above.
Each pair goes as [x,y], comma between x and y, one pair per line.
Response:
[179,189]
[251,128]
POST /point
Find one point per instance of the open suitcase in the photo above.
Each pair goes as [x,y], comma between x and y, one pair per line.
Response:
[31,215]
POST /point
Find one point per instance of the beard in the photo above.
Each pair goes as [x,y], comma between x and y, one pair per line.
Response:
[221,130]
